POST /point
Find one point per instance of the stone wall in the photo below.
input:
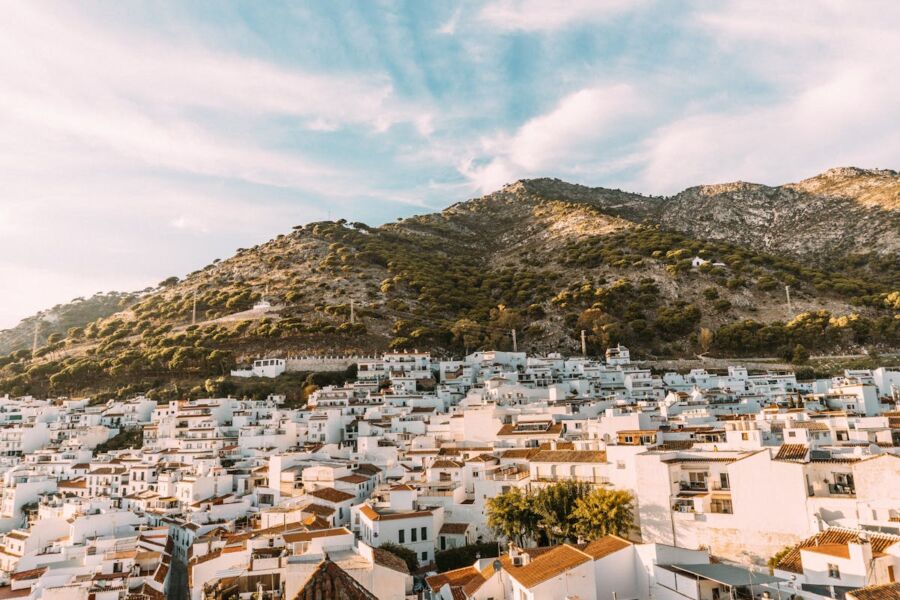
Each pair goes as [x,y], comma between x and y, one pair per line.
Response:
[323,363]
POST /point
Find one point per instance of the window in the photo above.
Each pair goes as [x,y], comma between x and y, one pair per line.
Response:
[792,434]
[412,534]
[424,533]
[745,436]
[402,536]
[833,571]
[424,556]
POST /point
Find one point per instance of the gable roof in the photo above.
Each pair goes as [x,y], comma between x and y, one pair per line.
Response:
[454,578]
[454,528]
[792,452]
[888,591]
[389,560]
[792,560]
[330,495]
[548,565]
[605,546]
[332,582]
[570,456]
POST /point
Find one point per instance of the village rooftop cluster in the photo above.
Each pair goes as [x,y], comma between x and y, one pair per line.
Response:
[232,498]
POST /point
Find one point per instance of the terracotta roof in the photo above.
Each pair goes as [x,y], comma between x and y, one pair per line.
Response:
[447,464]
[389,560]
[605,546]
[839,550]
[29,574]
[559,446]
[305,536]
[455,528]
[455,578]
[161,571]
[792,562]
[403,488]
[331,495]
[370,514]
[548,565]
[570,456]
[519,453]
[675,445]
[331,581]
[554,429]
[367,469]
[483,458]
[318,509]
[353,479]
[887,591]
[792,452]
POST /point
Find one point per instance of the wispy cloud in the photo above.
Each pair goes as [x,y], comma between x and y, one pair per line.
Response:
[547,15]
[140,143]
[832,69]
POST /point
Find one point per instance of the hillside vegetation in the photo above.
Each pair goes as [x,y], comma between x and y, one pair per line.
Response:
[543,257]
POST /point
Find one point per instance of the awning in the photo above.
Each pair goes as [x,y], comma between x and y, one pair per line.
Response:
[728,574]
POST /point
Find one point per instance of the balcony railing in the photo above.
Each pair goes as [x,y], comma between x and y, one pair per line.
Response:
[597,479]
[693,486]
[507,476]
[841,489]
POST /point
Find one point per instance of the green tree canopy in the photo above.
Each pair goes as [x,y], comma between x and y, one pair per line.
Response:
[603,512]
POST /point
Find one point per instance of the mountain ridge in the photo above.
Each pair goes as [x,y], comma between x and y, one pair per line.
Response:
[541,256]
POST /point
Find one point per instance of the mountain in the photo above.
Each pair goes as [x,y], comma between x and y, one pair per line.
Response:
[843,214]
[701,271]
[55,322]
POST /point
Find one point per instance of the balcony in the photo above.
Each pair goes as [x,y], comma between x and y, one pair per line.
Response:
[507,475]
[841,489]
[693,486]
[594,479]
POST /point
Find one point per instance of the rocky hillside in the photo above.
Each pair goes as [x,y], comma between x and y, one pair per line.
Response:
[841,218]
[545,258]
[55,323]
[840,213]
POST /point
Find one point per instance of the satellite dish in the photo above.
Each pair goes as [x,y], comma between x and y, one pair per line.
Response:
[498,566]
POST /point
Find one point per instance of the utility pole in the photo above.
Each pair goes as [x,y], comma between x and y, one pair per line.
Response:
[515,347]
[583,344]
[352,313]
[787,292]
[34,343]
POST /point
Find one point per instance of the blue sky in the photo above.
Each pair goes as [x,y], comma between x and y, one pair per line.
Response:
[140,140]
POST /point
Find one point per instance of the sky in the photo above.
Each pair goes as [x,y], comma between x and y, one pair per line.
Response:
[143,140]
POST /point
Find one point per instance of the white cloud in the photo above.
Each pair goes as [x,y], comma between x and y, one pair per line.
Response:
[449,27]
[548,15]
[833,71]
[558,140]
[121,94]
